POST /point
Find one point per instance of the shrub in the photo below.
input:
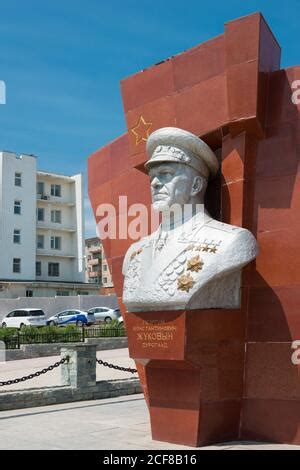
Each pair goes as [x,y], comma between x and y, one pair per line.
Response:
[58,334]
[7,332]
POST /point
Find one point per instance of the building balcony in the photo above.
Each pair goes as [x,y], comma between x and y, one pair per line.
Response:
[52,226]
[55,254]
[45,199]
[95,282]
[93,262]
[95,249]
[94,274]
[45,175]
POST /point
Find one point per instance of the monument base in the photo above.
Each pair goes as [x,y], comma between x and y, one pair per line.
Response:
[192,372]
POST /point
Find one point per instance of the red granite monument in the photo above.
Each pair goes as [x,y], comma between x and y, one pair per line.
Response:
[218,374]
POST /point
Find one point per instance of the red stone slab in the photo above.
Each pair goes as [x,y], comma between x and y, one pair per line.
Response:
[148,85]
[273,314]
[199,63]
[270,373]
[271,420]
[156,335]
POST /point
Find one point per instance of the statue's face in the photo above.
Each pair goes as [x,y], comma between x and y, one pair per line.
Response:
[171,183]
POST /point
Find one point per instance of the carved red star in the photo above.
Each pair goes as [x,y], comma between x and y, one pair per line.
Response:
[141,130]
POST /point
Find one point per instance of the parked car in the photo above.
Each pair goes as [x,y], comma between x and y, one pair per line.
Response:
[22,317]
[69,317]
[106,314]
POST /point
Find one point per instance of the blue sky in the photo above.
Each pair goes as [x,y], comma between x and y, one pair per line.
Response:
[62,62]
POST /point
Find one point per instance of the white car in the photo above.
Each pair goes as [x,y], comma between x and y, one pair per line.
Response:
[24,317]
[106,314]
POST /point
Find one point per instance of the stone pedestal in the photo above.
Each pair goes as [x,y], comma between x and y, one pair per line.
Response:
[193,362]
[80,371]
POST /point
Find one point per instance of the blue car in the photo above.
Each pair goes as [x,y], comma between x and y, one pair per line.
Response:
[71,317]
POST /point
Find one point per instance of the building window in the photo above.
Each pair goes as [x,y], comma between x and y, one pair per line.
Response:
[53,269]
[62,293]
[38,268]
[40,214]
[55,243]
[105,280]
[18,179]
[56,190]
[17,207]
[17,265]
[105,267]
[29,293]
[56,216]
[40,241]
[40,188]
[17,236]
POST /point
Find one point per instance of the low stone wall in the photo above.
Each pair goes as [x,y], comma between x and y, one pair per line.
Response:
[108,343]
[30,351]
[55,395]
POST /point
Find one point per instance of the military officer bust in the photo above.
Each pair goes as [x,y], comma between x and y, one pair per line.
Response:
[192,261]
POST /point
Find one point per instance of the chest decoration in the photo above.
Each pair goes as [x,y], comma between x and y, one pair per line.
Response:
[133,272]
[183,272]
[180,275]
[205,246]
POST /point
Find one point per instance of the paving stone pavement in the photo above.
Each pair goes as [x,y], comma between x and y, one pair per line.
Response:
[110,424]
[118,423]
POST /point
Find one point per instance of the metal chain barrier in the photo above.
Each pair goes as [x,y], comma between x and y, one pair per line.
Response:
[36,374]
[112,366]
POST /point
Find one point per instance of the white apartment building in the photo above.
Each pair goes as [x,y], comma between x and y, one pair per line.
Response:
[97,269]
[107,281]
[41,230]
[93,256]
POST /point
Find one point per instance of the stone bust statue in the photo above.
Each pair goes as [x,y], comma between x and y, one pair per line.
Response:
[191,261]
